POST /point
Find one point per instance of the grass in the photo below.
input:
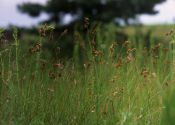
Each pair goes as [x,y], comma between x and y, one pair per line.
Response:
[111,84]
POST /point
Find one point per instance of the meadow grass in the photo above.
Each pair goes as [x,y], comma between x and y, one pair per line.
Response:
[105,83]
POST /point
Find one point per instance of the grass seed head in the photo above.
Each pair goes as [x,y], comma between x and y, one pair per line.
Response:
[144,73]
[52,75]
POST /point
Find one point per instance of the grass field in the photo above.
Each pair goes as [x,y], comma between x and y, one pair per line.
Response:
[104,83]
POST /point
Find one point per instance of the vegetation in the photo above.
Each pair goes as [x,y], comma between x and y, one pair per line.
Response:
[104,83]
[97,10]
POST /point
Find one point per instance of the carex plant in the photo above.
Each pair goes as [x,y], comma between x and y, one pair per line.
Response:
[105,82]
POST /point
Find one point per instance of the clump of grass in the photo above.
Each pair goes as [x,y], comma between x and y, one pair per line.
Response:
[108,83]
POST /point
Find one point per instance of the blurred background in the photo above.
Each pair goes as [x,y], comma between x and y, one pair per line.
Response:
[11,14]
[135,20]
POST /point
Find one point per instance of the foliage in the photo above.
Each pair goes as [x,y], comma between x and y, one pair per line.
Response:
[32,9]
[97,10]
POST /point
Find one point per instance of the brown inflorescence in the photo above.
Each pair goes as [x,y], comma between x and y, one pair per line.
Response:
[144,73]
[35,48]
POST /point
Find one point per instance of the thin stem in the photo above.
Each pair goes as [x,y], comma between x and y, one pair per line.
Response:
[15,36]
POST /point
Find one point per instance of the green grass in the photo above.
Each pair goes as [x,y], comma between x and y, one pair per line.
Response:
[112,85]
